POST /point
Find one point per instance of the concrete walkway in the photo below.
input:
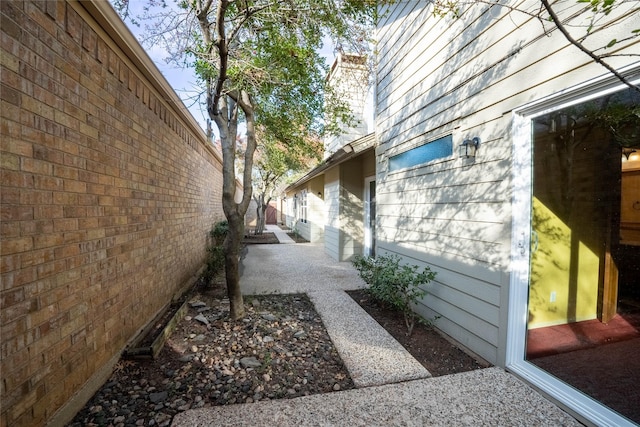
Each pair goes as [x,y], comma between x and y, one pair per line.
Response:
[371,355]
[281,235]
[392,387]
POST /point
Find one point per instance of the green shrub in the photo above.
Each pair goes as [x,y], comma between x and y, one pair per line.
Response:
[215,251]
[219,232]
[393,284]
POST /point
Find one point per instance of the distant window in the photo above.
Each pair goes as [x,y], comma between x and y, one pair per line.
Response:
[303,206]
[433,150]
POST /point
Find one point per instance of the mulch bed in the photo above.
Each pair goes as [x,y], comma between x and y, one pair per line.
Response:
[264,238]
[297,238]
[436,353]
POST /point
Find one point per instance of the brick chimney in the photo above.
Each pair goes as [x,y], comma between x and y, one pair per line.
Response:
[349,77]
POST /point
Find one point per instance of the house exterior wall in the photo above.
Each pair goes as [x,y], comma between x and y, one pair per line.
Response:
[335,198]
[108,192]
[437,77]
[369,164]
[317,214]
[344,206]
[251,217]
[313,228]
[332,209]
[349,77]
[351,195]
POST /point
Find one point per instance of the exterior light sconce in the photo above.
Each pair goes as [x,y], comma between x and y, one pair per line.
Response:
[626,151]
[319,194]
[469,147]
[347,148]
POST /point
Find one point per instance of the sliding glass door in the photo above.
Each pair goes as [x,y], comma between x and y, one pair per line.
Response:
[576,324]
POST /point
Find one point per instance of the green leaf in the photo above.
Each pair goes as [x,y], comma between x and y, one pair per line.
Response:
[612,42]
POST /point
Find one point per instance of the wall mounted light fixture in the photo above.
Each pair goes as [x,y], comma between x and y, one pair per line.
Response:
[469,147]
[626,151]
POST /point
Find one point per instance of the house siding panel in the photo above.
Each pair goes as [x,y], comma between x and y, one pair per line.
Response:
[351,209]
[438,76]
[317,214]
[332,209]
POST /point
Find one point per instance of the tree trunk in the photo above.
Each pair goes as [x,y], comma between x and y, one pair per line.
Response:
[232,259]
[260,220]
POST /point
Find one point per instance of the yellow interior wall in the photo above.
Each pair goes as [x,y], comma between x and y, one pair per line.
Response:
[551,271]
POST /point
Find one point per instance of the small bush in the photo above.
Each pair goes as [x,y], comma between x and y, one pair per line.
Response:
[219,232]
[394,284]
[215,251]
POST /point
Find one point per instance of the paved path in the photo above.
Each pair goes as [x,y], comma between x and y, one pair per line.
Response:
[485,397]
[282,235]
[392,387]
[371,355]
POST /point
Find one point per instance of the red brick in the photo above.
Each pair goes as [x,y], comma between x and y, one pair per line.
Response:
[89,39]
[11,297]
[49,269]
[37,166]
[48,183]
[48,212]
[12,246]
[102,51]
[9,230]
[48,240]
[36,197]
[97,188]
[9,263]
[18,310]
[16,179]
[74,24]
[12,329]
[10,161]
[75,186]
[65,172]
[16,212]
[10,95]
[10,196]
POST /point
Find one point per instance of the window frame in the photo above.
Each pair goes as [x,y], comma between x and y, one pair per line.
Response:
[415,156]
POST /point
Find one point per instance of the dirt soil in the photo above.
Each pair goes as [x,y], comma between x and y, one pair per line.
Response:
[264,238]
[436,353]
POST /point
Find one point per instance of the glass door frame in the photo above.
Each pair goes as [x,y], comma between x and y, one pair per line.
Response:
[580,405]
[369,234]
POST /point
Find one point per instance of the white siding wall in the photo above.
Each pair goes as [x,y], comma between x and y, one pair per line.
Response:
[350,79]
[317,212]
[332,208]
[438,76]
[351,209]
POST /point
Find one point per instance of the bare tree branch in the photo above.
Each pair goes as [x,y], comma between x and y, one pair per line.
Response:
[579,45]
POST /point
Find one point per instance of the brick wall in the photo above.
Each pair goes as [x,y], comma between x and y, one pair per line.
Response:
[107,194]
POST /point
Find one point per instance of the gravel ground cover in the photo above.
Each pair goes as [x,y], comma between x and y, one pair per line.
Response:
[279,350]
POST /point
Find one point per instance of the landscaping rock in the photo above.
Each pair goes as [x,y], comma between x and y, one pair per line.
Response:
[158,397]
[250,362]
[200,318]
[223,362]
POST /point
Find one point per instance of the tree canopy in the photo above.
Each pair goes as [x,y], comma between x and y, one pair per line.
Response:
[275,163]
[259,65]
